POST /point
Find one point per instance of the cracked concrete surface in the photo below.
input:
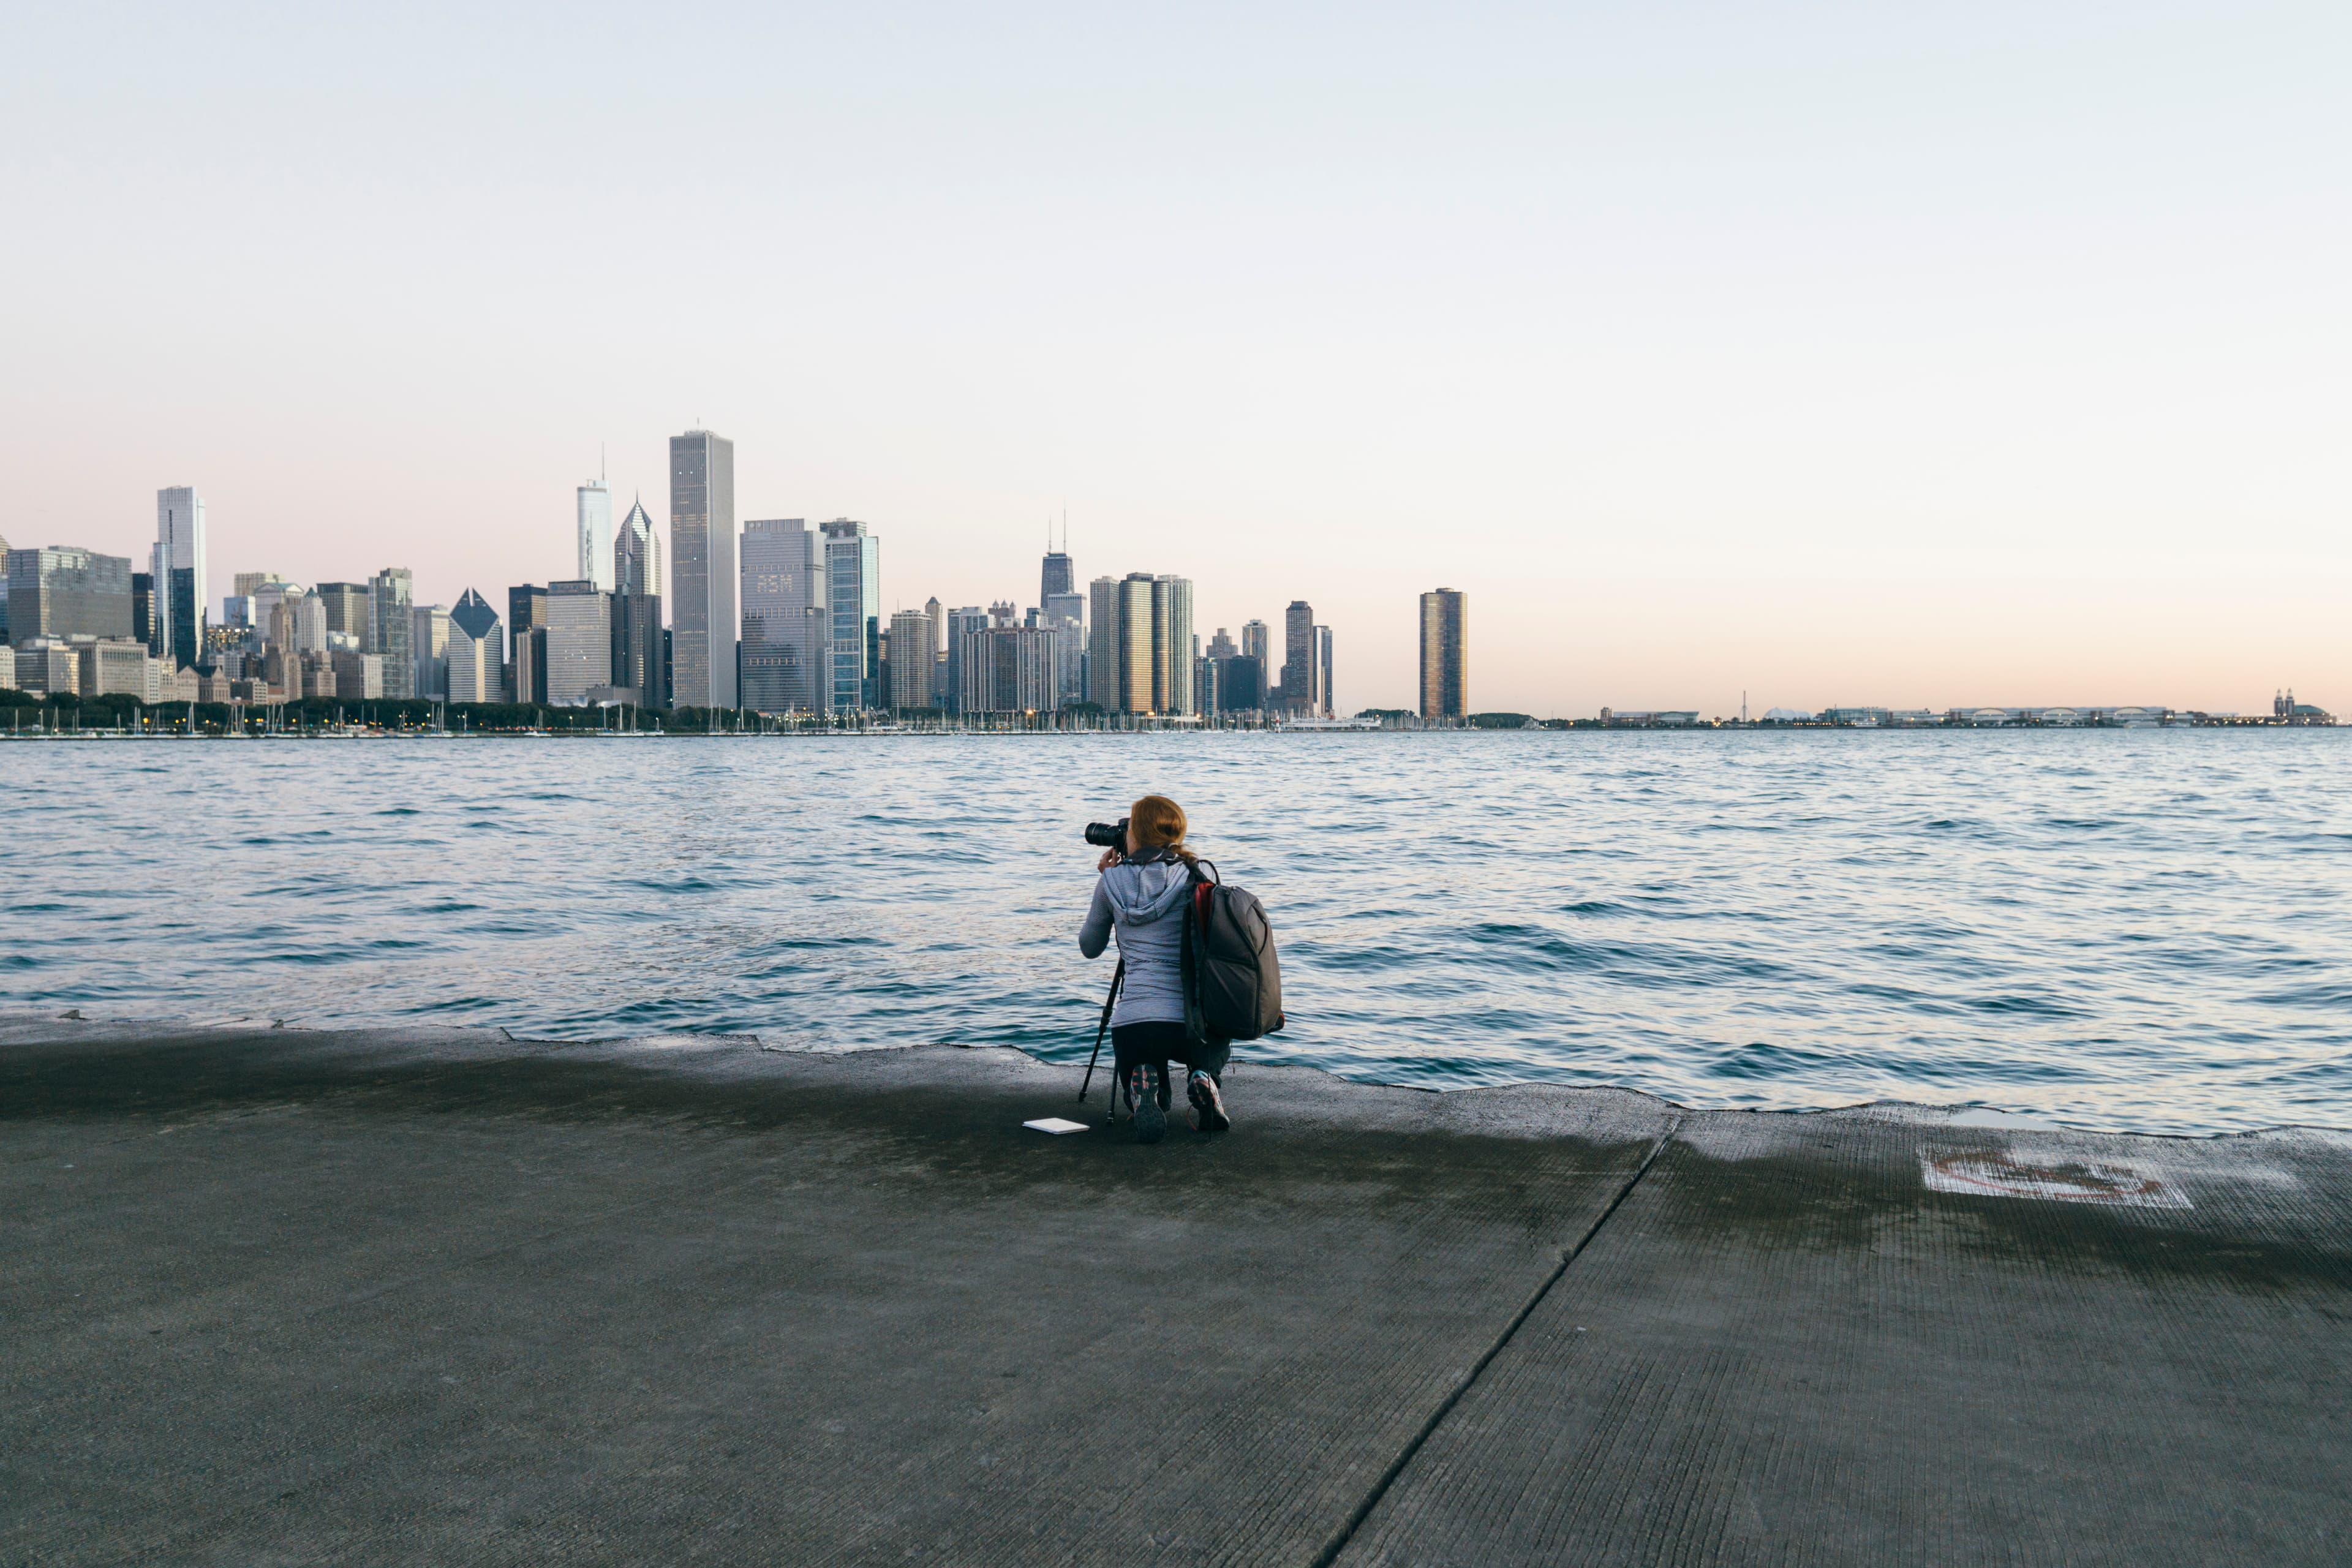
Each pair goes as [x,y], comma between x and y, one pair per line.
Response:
[279,1295]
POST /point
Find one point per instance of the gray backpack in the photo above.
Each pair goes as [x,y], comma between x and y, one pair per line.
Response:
[1232,981]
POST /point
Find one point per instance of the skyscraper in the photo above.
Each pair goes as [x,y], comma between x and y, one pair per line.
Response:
[1172,644]
[476,650]
[636,554]
[637,661]
[910,659]
[702,552]
[785,632]
[595,535]
[1326,701]
[961,624]
[346,607]
[938,620]
[392,631]
[61,591]
[1445,655]
[1222,647]
[579,640]
[853,597]
[429,643]
[1298,692]
[1056,577]
[1257,643]
[1135,643]
[183,591]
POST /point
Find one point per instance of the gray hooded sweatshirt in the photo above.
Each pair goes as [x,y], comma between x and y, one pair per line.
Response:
[1145,904]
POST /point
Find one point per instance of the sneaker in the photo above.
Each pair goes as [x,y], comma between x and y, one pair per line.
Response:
[1145,1084]
[1208,1113]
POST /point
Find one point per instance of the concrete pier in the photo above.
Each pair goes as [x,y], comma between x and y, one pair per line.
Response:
[282,1296]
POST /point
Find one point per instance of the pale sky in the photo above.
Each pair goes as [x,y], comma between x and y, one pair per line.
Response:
[1836,352]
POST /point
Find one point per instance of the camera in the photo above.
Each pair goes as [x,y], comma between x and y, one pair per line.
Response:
[1109,835]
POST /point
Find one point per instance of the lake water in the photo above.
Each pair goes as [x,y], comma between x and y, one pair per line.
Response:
[2128,929]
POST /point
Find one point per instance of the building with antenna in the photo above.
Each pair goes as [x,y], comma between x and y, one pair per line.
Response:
[1058,576]
[595,535]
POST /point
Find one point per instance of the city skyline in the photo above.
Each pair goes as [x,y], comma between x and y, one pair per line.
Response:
[1898,357]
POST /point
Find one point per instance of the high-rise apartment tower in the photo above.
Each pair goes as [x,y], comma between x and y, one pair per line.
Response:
[1444,654]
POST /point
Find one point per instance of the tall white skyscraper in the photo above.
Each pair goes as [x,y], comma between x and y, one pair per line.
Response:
[702,556]
[596,535]
[182,587]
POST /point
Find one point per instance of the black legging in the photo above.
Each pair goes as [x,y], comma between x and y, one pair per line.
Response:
[1159,1043]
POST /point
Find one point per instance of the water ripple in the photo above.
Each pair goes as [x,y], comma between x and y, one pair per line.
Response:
[2140,930]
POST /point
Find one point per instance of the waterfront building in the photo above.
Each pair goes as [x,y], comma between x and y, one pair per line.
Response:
[786,632]
[1298,694]
[112,666]
[4,590]
[852,598]
[476,652]
[429,651]
[59,591]
[1066,613]
[910,659]
[1257,643]
[391,630]
[594,533]
[47,665]
[960,624]
[1172,644]
[1206,687]
[347,607]
[636,554]
[144,627]
[938,654]
[8,665]
[359,677]
[526,619]
[1222,647]
[637,663]
[315,672]
[1133,648]
[578,641]
[1240,684]
[181,585]
[1007,669]
[1444,654]
[1326,687]
[1102,643]
[702,558]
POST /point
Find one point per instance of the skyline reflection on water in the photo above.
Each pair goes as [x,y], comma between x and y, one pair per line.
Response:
[2140,930]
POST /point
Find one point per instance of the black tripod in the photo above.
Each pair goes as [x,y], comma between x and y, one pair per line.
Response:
[1118,975]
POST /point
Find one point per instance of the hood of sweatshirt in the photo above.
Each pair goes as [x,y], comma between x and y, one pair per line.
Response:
[1142,894]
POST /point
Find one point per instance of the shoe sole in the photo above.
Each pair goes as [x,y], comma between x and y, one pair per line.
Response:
[1208,1113]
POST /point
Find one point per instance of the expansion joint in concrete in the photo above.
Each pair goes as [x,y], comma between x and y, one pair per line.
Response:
[1371,1500]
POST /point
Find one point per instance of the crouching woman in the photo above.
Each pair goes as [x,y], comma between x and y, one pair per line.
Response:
[1141,898]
